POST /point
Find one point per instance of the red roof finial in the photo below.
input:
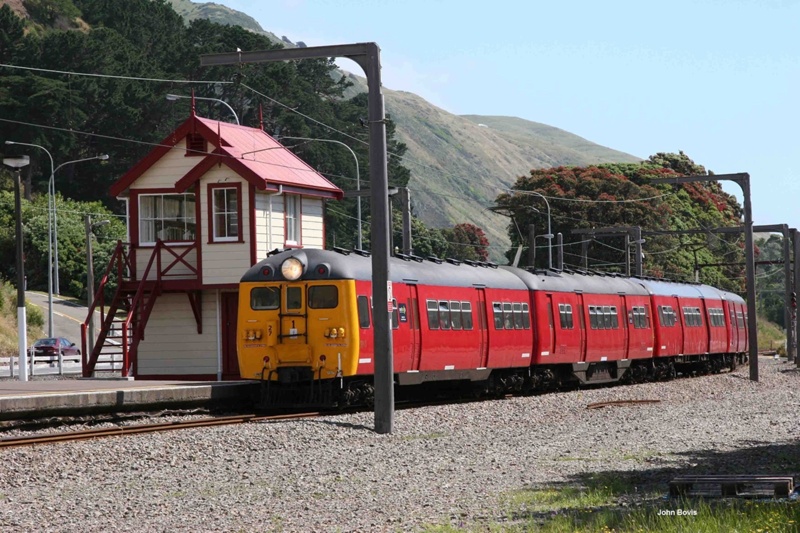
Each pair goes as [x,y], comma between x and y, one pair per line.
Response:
[260,117]
[193,101]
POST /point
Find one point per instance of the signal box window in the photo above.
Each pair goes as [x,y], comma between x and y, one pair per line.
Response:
[323,297]
[225,214]
[363,312]
[168,217]
[265,298]
[292,215]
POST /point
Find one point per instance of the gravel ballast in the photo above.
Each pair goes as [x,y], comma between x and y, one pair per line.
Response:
[453,464]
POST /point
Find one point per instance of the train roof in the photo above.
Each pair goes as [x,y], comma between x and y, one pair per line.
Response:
[346,264]
[343,264]
[550,280]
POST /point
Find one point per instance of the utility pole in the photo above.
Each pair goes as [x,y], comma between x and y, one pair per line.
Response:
[367,55]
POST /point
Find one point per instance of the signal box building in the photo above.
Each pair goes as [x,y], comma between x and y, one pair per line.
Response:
[202,207]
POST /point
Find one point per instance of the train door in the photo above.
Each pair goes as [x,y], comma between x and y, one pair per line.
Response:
[733,331]
[551,338]
[405,325]
[230,311]
[483,330]
[625,326]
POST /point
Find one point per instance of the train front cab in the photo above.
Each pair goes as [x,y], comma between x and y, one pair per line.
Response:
[298,332]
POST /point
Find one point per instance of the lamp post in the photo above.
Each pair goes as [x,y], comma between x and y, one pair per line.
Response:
[52,230]
[22,320]
[90,277]
[173,97]
[549,230]
[358,176]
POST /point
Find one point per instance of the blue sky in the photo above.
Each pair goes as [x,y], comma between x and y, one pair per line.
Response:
[719,80]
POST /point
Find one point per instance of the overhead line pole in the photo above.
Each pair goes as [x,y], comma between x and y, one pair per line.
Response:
[743,180]
[367,55]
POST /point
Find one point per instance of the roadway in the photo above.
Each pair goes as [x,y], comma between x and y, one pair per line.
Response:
[67,319]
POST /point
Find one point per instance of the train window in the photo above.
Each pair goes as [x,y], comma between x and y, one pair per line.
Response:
[466,315]
[606,317]
[717,317]
[592,317]
[614,317]
[363,311]
[508,316]
[640,320]
[497,309]
[444,314]
[739,319]
[687,316]
[526,316]
[581,318]
[323,297]
[433,313]
[455,314]
[667,315]
[517,307]
[565,313]
[294,298]
[264,298]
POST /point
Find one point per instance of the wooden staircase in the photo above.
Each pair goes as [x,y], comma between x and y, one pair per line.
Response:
[126,316]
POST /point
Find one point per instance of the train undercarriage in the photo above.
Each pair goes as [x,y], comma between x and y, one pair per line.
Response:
[297,386]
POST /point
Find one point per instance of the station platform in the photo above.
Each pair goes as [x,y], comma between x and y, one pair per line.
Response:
[36,399]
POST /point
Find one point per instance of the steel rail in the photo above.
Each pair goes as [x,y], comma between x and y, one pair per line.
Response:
[69,436]
[599,405]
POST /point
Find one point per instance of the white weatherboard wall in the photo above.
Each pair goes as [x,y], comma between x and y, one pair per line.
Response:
[172,345]
[270,225]
[223,262]
[312,223]
[171,167]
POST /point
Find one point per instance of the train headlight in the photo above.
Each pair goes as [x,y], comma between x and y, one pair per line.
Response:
[341,333]
[292,269]
[334,333]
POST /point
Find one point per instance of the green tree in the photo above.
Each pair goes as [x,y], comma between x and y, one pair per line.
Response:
[466,242]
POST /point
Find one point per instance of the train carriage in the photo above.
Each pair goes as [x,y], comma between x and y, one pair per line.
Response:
[306,319]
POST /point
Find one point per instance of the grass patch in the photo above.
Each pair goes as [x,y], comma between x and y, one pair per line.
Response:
[608,504]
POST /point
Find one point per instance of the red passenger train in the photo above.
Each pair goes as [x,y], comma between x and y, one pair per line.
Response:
[305,326]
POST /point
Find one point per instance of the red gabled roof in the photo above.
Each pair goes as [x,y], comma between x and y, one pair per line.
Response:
[251,153]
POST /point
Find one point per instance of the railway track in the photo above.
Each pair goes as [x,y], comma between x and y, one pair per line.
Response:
[70,436]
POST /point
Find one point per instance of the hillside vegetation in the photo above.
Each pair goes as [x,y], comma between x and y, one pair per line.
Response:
[457,167]
[9,344]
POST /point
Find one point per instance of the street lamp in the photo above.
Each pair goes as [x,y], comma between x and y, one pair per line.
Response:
[90,278]
[52,230]
[358,176]
[549,230]
[173,97]
[22,320]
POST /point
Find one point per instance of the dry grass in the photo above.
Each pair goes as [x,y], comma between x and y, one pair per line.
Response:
[8,321]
